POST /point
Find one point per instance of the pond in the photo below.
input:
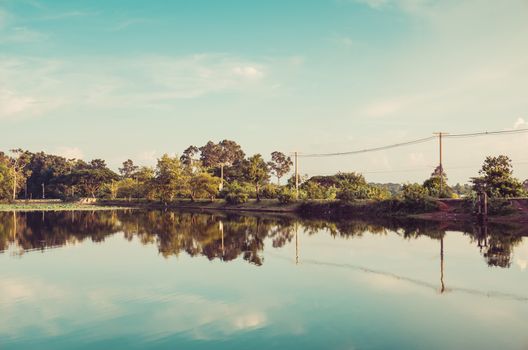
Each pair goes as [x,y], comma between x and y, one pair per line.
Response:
[167,280]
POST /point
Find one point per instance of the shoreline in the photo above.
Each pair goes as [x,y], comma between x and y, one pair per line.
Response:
[329,210]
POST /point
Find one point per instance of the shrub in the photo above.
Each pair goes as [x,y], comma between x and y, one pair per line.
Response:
[414,192]
[356,192]
[314,190]
[269,191]
[286,196]
[235,194]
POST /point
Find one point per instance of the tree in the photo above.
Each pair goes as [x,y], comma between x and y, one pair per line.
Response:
[203,185]
[6,178]
[438,180]
[223,154]
[19,169]
[496,178]
[257,172]
[279,165]
[170,179]
[414,192]
[129,169]
[188,156]
[93,178]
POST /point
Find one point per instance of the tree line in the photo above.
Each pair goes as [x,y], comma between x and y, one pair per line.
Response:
[222,170]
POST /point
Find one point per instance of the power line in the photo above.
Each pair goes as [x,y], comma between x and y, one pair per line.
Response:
[487,133]
[382,148]
[413,142]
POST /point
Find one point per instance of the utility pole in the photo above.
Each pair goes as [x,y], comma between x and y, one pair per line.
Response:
[296,176]
[43,191]
[441,167]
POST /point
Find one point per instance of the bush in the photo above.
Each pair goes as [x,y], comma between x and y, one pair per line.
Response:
[356,192]
[269,191]
[235,194]
[286,196]
[414,192]
[314,190]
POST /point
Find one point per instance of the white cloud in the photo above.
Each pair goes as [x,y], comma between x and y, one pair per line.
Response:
[248,72]
[520,123]
[31,86]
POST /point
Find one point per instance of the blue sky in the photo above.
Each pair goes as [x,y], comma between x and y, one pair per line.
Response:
[135,79]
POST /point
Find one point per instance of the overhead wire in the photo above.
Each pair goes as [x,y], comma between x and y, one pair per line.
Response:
[412,142]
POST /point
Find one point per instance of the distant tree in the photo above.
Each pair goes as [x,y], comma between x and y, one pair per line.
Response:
[203,185]
[20,171]
[314,190]
[414,192]
[496,178]
[129,169]
[279,165]
[91,178]
[170,179]
[47,171]
[223,154]
[257,173]
[462,190]
[6,179]
[98,164]
[145,182]
[188,156]
[525,185]
[438,180]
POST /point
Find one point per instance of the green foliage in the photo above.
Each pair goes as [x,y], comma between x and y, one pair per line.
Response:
[203,185]
[270,191]
[414,192]
[314,190]
[340,180]
[6,183]
[236,194]
[170,179]
[286,195]
[257,172]
[280,165]
[350,193]
[496,178]
[438,179]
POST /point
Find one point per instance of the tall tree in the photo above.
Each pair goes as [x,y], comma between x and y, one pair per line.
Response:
[496,178]
[257,172]
[170,178]
[129,169]
[280,165]
[90,178]
[203,185]
[437,181]
[20,171]
[188,156]
[223,154]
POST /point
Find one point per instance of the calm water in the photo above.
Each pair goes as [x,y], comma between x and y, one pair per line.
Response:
[158,280]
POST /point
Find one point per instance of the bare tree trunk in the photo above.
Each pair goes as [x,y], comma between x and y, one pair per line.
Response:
[221,186]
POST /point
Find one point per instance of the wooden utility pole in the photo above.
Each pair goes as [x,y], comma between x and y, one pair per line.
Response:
[440,166]
[296,176]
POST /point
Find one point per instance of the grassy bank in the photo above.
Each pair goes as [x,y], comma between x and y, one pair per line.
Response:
[265,205]
[53,205]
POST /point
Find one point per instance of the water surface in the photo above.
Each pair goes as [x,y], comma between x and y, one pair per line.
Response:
[166,280]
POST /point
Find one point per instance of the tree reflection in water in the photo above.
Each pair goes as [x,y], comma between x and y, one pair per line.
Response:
[226,236]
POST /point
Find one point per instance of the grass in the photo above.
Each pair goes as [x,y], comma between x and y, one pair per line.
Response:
[52,206]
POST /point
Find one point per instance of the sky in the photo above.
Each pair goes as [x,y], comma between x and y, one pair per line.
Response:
[135,79]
